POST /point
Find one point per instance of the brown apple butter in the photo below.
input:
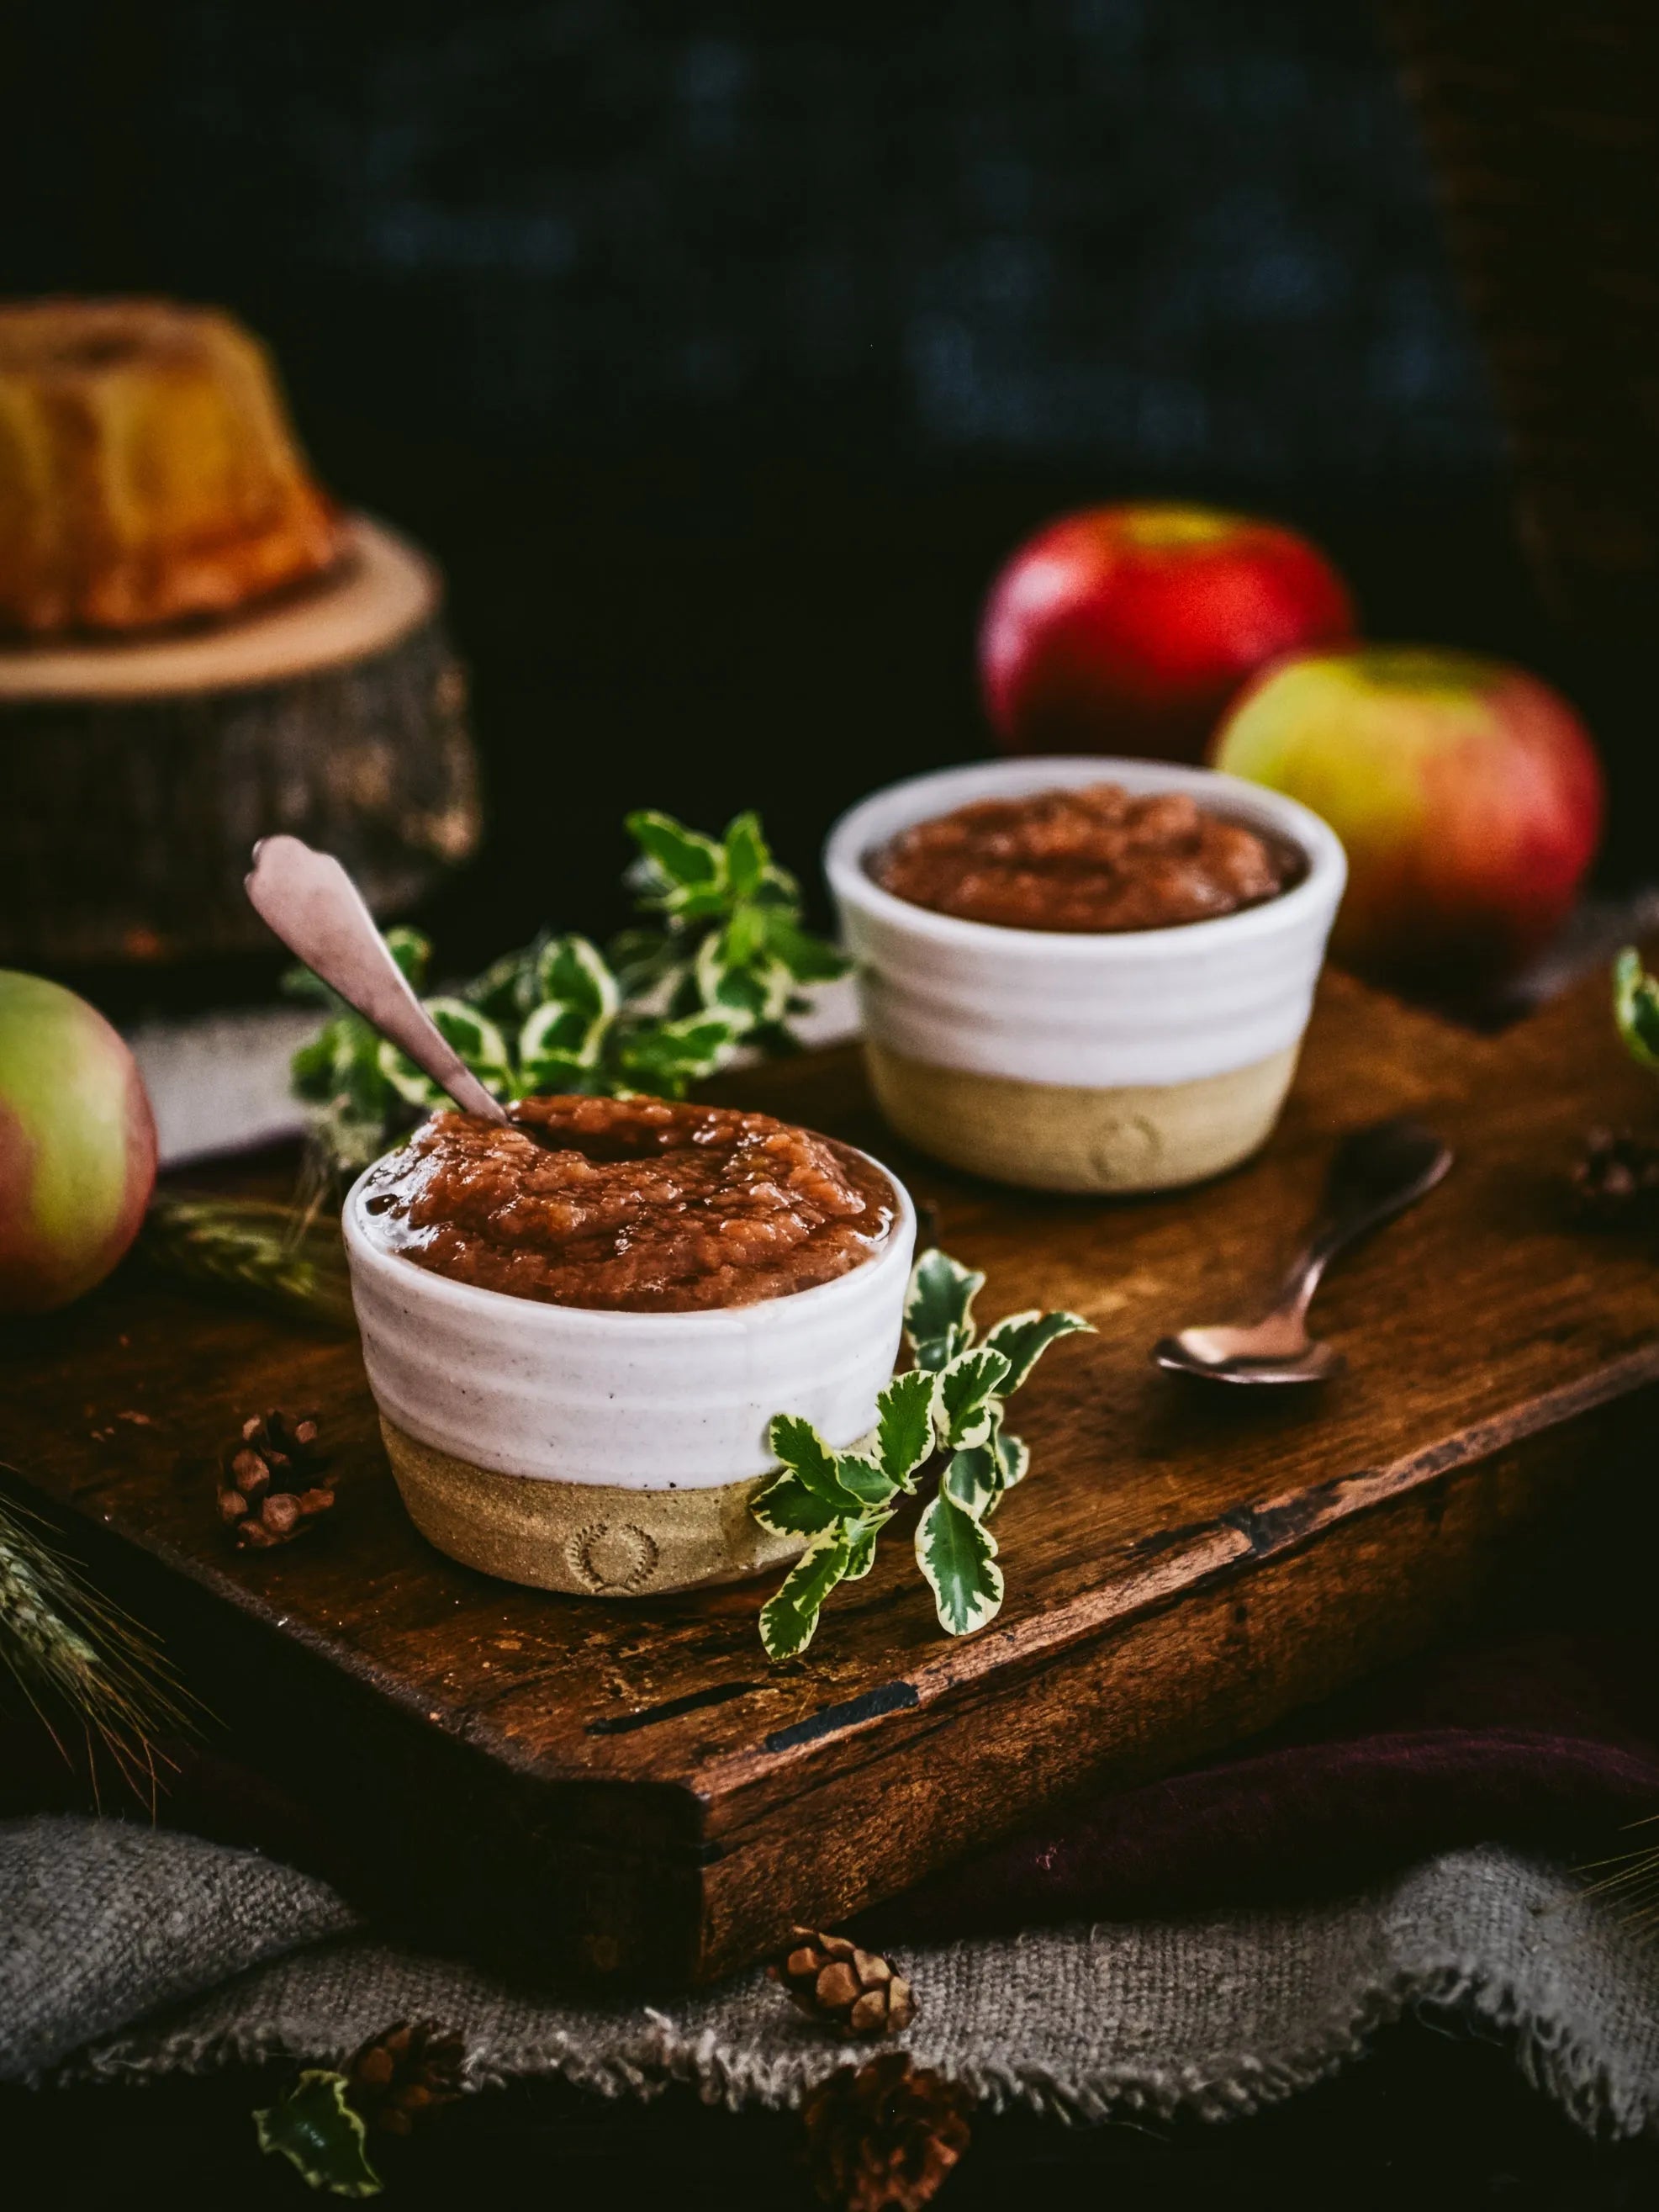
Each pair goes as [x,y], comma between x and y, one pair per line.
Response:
[632,1205]
[1093,859]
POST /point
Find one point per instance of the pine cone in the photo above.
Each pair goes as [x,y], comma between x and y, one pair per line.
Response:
[403,2073]
[855,1992]
[1617,1180]
[266,1495]
[883,2139]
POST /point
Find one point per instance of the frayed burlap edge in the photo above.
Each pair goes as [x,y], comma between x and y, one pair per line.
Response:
[1225,2015]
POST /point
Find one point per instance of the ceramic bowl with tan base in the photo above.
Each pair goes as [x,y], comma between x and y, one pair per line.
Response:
[1126,1061]
[612,1454]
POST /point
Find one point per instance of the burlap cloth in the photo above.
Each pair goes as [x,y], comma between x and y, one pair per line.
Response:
[127,1951]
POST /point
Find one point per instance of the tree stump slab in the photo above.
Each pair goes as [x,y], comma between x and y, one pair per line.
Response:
[136,776]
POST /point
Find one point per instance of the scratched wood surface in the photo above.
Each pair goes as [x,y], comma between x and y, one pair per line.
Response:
[631,1790]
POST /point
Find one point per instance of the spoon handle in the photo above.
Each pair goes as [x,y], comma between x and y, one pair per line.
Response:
[316,909]
[1377,1173]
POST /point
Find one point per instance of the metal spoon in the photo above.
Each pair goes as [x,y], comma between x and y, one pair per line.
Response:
[1377,1173]
[317,910]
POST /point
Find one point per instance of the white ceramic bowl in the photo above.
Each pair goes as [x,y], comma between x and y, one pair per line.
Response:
[609,1453]
[1133,1060]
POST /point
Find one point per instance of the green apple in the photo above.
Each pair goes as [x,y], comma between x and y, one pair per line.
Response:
[77,1145]
[1467,792]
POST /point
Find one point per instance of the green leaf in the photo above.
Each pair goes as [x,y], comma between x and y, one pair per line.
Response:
[640,958]
[578,1000]
[788,1508]
[755,992]
[905,1425]
[412,952]
[1022,1337]
[966,1408]
[571,971]
[973,1480]
[1013,1460]
[298,982]
[685,999]
[1636,1007]
[788,1620]
[505,991]
[406,1080]
[477,1039]
[689,868]
[315,2129]
[861,1547]
[938,1308]
[555,1042]
[775,1039]
[311,1070]
[752,872]
[807,958]
[664,1057]
[957,1557]
[684,856]
[747,858]
[754,997]
[796,1444]
[547,1073]
[472,1034]
[780,892]
[863,1480]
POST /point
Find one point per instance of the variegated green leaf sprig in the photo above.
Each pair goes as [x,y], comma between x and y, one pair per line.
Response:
[1636,1007]
[722,964]
[950,1402]
[314,2127]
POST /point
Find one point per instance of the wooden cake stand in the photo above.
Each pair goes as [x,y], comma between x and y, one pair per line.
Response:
[135,774]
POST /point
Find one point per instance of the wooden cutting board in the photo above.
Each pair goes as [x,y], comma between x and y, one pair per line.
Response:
[630,1790]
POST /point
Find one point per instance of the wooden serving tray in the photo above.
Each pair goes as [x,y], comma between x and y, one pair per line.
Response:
[630,1790]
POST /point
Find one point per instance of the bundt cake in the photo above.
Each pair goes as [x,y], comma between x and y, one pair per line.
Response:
[148,472]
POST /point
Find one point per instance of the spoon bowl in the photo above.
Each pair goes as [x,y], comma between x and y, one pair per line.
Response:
[1199,1352]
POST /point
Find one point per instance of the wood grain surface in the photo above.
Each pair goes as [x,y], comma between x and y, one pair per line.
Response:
[630,1790]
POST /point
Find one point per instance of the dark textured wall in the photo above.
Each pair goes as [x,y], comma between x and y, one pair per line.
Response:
[722,348]
[1179,238]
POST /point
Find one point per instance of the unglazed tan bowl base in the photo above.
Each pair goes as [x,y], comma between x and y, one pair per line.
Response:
[1046,1136]
[588,1538]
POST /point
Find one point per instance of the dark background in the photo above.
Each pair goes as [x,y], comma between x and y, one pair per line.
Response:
[722,351]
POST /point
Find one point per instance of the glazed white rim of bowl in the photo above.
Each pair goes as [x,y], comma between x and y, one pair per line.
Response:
[855,835]
[476,1298]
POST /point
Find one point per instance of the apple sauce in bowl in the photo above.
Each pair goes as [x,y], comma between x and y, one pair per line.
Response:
[1084,860]
[577,1328]
[630,1204]
[1081,975]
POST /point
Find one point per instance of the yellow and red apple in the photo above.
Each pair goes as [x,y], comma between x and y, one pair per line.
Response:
[1467,793]
[77,1145]
[1129,629]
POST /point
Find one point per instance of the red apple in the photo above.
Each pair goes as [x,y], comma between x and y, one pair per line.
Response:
[1128,629]
[77,1145]
[1467,794]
